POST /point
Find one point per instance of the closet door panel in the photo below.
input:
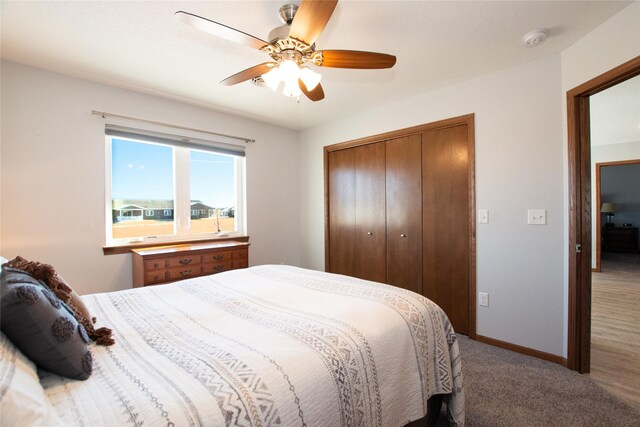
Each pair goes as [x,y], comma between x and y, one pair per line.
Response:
[445,166]
[404,212]
[342,212]
[370,252]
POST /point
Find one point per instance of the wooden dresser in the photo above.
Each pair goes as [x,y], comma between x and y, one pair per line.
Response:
[164,264]
[620,239]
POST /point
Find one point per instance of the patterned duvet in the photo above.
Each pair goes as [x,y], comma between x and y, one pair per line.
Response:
[265,346]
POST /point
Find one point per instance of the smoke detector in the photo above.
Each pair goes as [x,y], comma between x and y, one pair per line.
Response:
[534,38]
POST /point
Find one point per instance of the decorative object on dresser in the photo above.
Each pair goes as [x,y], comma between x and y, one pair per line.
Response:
[609,209]
[164,264]
[620,239]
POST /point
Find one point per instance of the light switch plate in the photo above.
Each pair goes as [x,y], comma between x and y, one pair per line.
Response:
[537,216]
[483,216]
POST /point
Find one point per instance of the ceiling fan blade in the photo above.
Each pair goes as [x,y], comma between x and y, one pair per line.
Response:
[249,73]
[316,94]
[356,59]
[311,18]
[220,30]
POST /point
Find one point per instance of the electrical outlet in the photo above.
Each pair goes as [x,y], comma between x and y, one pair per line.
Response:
[484,299]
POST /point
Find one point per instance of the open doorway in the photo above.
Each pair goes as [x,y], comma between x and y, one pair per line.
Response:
[615,211]
[616,191]
[580,216]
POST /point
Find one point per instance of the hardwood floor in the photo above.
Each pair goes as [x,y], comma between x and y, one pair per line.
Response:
[615,326]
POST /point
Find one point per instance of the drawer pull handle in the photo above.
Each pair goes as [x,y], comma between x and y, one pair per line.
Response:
[156,265]
[218,267]
[403,235]
[369,233]
[185,261]
[185,273]
[218,257]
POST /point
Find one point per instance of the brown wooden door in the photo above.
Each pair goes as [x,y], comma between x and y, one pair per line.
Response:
[342,212]
[445,210]
[370,252]
[404,212]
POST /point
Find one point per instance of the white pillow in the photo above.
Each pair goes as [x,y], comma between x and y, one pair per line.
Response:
[23,402]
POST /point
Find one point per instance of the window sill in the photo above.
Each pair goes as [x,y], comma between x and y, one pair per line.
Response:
[123,249]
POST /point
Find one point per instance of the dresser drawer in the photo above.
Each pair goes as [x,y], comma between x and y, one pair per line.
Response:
[184,261]
[157,276]
[184,272]
[216,267]
[155,264]
[240,263]
[241,254]
[217,257]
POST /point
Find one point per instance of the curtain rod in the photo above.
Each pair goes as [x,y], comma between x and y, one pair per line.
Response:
[105,115]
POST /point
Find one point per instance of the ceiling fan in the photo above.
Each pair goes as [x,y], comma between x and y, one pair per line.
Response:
[292,48]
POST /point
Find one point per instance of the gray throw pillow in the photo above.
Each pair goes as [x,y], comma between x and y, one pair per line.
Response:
[42,326]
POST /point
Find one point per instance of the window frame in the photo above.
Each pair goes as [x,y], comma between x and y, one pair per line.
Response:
[181,189]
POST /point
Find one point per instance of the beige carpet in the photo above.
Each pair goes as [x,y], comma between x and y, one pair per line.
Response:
[504,388]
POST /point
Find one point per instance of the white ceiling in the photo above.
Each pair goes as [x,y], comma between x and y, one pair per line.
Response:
[139,45]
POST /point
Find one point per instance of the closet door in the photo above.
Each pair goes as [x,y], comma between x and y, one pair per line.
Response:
[445,209]
[342,212]
[404,212]
[370,230]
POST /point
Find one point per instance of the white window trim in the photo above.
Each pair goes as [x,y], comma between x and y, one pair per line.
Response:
[181,206]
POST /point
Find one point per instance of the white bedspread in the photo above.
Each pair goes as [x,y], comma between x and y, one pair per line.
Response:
[265,346]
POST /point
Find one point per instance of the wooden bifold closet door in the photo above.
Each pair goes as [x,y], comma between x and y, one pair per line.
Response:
[342,215]
[445,210]
[400,210]
[357,220]
[371,260]
[404,207]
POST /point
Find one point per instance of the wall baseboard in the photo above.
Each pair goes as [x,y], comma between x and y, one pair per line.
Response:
[524,350]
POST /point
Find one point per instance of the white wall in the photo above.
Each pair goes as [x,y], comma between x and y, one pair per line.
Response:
[518,167]
[53,172]
[602,154]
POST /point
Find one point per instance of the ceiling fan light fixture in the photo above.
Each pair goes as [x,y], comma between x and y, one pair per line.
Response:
[310,78]
[291,89]
[272,78]
[291,46]
[288,73]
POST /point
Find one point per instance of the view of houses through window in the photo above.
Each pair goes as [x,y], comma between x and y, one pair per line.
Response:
[147,180]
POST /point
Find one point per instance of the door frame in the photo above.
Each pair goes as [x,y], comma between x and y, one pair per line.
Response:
[579,158]
[467,120]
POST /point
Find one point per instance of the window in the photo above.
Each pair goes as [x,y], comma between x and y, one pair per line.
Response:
[162,187]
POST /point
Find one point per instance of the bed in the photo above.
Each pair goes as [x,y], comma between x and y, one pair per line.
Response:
[269,345]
